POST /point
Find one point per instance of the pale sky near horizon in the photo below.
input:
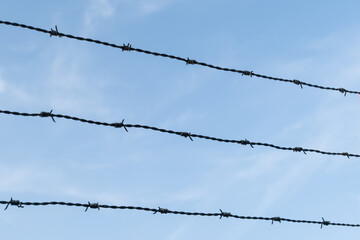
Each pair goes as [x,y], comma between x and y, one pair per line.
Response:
[316,42]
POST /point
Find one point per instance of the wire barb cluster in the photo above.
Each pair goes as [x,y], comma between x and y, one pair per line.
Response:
[161,210]
[92,205]
[13,202]
[128,47]
[167,211]
[182,134]
[275,219]
[55,32]
[224,214]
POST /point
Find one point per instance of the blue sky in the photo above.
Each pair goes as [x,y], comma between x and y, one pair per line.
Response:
[316,42]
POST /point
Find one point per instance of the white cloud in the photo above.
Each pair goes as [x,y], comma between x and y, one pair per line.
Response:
[2,83]
[34,178]
[179,232]
[69,88]
[153,6]
[192,194]
[25,178]
[99,196]
[332,60]
[14,92]
[288,183]
[2,86]
[97,10]
[134,9]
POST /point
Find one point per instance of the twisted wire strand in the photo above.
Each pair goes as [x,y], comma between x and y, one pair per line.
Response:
[182,134]
[220,214]
[128,47]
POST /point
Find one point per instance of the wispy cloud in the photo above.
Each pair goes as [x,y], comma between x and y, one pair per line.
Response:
[127,9]
[152,6]
[70,88]
[14,92]
[179,231]
[52,182]
[327,125]
[75,192]
[27,178]
[332,59]
[2,84]
[97,10]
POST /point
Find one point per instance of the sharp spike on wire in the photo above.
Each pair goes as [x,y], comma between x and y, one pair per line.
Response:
[183,134]
[222,214]
[128,47]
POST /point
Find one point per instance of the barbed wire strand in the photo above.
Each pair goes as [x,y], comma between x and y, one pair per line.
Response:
[188,61]
[220,214]
[183,134]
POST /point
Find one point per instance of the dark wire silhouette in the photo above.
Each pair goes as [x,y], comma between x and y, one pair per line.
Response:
[128,47]
[160,210]
[183,134]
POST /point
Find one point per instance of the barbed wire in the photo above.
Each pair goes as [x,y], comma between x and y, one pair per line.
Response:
[160,210]
[182,134]
[188,61]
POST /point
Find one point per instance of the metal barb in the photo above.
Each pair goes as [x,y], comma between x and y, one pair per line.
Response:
[165,55]
[55,32]
[343,90]
[166,211]
[247,73]
[183,134]
[120,125]
[297,82]
[47,114]
[13,202]
[224,214]
[186,134]
[92,205]
[126,47]
[299,149]
[246,142]
[345,154]
[161,210]
[275,219]
[190,61]
[325,223]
